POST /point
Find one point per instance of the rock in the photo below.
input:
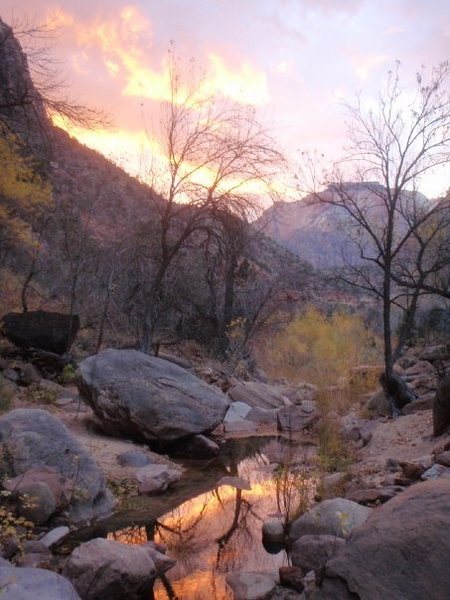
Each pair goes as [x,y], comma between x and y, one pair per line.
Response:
[198,446]
[61,488]
[443,458]
[263,416]
[312,552]
[436,472]
[370,496]
[135,394]
[155,479]
[107,569]
[33,438]
[283,593]
[292,577]
[11,375]
[53,332]
[242,417]
[425,403]
[378,404]
[337,517]
[37,502]
[440,352]
[297,418]
[258,395]
[35,547]
[301,392]
[332,482]
[41,560]
[237,411]
[133,458]
[29,584]
[162,562]
[54,536]
[29,374]
[251,585]
[273,532]
[412,470]
[400,552]
[441,408]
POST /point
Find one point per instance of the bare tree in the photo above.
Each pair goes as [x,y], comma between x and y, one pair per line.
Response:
[31,88]
[214,153]
[391,146]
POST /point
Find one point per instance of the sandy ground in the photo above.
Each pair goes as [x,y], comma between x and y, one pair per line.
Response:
[407,438]
[104,449]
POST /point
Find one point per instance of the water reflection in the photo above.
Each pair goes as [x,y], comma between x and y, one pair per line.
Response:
[220,531]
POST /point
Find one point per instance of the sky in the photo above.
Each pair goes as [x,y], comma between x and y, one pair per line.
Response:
[294,61]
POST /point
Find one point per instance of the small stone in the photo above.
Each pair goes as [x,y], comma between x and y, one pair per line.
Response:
[54,536]
[436,472]
[155,479]
[133,458]
[443,458]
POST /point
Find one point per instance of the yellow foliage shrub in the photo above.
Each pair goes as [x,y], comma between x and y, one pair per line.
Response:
[24,194]
[320,349]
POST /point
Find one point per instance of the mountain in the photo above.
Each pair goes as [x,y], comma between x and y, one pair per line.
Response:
[319,232]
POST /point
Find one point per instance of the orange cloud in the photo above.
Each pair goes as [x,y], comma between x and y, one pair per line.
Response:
[125,42]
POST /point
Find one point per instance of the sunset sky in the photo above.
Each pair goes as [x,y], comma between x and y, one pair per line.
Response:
[293,60]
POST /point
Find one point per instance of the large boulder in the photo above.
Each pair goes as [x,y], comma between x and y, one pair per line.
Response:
[139,395]
[400,552]
[312,552]
[107,569]
[32,439]
[53,332]
[29,584]
[441,408]
[337,517]
[297,418]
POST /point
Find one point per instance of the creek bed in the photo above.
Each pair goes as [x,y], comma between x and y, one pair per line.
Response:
[212,529]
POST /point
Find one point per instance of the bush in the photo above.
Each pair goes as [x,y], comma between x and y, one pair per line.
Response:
[38,395]
[320,349]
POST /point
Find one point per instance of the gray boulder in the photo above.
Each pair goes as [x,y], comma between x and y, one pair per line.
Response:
[297,418]
[107,569]
[337,517]
[32,439]
[441,408]
[135,394]
[400,552]
[37,502]
[311,552]
[29,584]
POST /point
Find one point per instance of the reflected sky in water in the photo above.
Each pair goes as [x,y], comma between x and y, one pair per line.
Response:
[220,531]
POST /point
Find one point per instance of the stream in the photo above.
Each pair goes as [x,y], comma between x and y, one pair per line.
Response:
[212,525]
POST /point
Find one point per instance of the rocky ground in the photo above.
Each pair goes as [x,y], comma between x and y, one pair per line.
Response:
[54,446]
